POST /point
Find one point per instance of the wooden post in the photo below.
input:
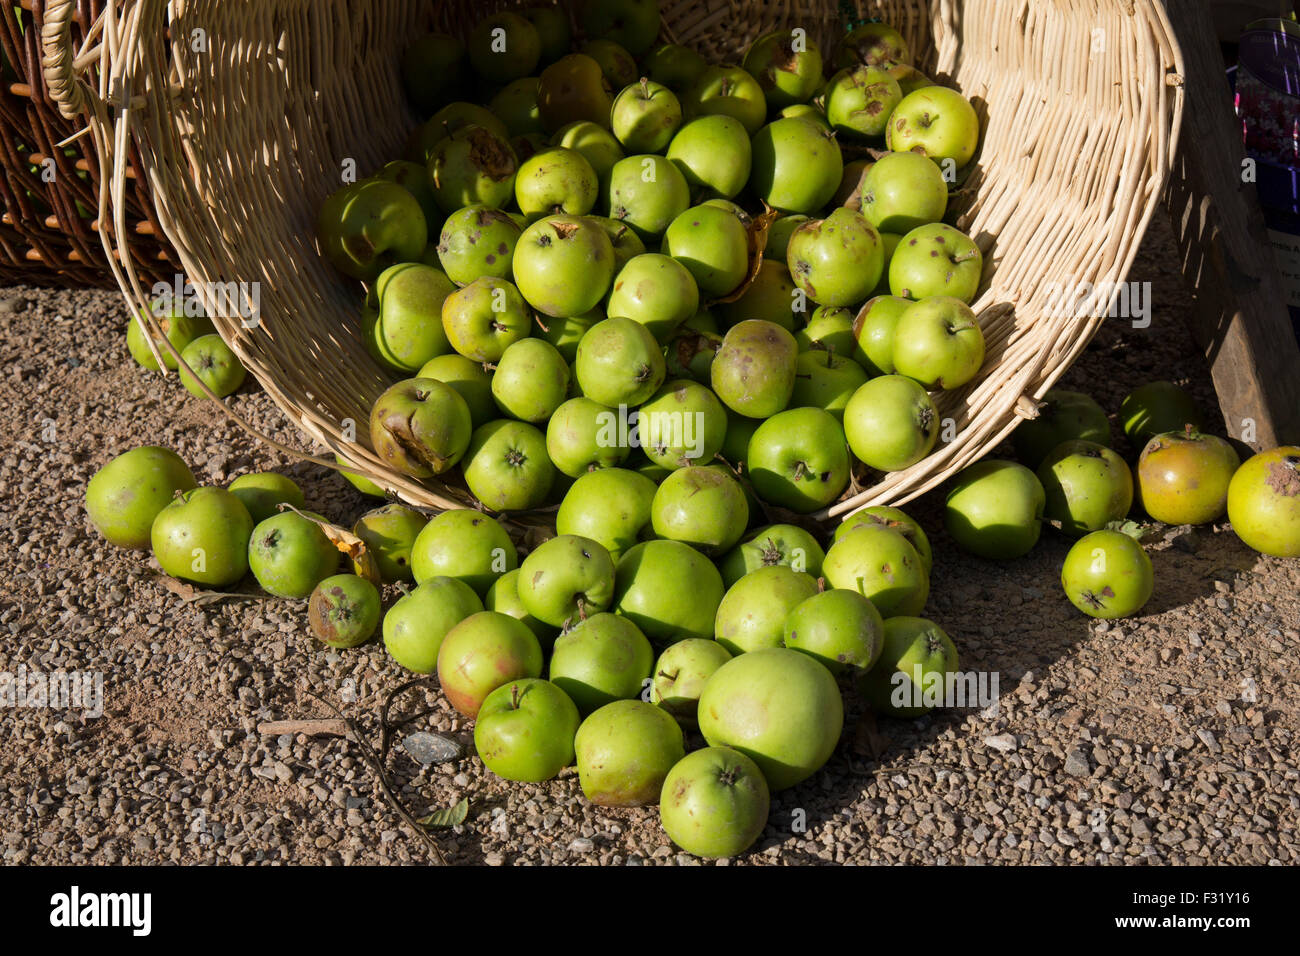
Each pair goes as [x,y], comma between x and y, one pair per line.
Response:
[1241,319]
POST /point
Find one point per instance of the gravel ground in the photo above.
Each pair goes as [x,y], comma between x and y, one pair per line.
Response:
[1166,738]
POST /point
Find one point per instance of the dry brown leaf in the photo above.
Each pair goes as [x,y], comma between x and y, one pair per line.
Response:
[363,562]
[757,235]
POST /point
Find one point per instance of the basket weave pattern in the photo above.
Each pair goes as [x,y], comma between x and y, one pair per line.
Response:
[1080,104]
[48,232]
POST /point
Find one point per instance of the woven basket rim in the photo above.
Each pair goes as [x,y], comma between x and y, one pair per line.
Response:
[985,412]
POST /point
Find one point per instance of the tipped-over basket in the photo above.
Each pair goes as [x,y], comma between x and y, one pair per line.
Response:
[244,113]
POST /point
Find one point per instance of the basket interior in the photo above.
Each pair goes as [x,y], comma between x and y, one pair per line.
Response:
[1073,99]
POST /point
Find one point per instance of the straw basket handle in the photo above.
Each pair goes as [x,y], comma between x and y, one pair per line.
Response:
[57,59]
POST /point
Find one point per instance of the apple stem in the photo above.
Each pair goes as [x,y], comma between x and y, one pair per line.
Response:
[514,696]
[645,87]
[582,608]
[962,257]
[821,585]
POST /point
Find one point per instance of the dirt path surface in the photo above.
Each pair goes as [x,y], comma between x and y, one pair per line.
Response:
[1167,738]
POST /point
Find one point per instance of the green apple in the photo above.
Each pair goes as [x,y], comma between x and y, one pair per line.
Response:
[935,260]
[463,544]
[779,707]
[409,330]
[619,363]
[894,519]
[873,44]
[715,155]
[477,241]
[531,380]
[1107,574]
[369,225]
[611,506]
[503,47]
[179,329]
[202,536]
[840,628]
[1264,502]
[415,626]
[798,459]
[1157,408]
[414,178]
[261,492]
[754,609]
[910,677]
[902,191]
[837,261]
[701,507]
[689,353]
[574,89]
[483,652]
[445,122]
[787,65]
[777,544]
[683,424]
[516,105]
[682,672]
[503,596]
[1063,416]
[1183,477]
[778,236]
[472,166]
[1087,485]
[655,290]
[667,589]
[873,327]
[714,803]
[727,91]
[420,426]
[289,555]
[470,379]
[625,750]
[825,381]
[645,117]
[994,509]
[937,122]
[564,265]
[389,534]
[359,481]
[829,329]
[214,364]
[891,423]
[600,660]
[859,102]
[883,567]
[577,438]
[485,318]
[125,496]
[633,24]
[595,143]
[565,580]
[753,372]
[647,193]
[525,730]
[675,66]
[938,343]
[506,466]
[797,165]
[343,611]
[556,180]
[552,24]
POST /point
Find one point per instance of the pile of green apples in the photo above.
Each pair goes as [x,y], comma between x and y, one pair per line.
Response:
[552,277]
[627,234]
[1070,476]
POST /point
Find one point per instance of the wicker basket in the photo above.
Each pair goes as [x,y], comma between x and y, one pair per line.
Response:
[1080,102]
[48,232]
